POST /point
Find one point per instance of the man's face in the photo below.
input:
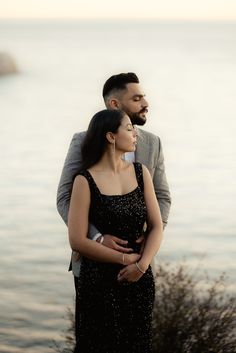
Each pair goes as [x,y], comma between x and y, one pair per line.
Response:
[133,102]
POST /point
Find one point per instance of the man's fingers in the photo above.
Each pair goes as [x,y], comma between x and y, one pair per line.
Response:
[142,247]
[140,239]
[122,249]
[120,241]
[116,239]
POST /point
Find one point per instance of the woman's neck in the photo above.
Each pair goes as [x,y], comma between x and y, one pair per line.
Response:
[111,161]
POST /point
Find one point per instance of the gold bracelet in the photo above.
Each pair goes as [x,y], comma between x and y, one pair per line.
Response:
[138,267]
[123,258]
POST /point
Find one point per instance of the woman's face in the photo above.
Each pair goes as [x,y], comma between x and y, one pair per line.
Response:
[125,138]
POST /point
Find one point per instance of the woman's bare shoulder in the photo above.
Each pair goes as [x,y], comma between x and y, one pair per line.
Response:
[80,181]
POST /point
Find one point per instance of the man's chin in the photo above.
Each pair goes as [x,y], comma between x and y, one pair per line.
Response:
[138,120]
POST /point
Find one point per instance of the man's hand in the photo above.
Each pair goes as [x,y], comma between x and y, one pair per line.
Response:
[119,244]
[116,243]
[141,240]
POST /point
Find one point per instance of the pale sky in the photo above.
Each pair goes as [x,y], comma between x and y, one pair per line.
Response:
[128,9]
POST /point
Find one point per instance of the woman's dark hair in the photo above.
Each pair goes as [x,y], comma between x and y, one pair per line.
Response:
[95,141]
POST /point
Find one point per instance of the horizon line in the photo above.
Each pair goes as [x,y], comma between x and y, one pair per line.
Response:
[118,19]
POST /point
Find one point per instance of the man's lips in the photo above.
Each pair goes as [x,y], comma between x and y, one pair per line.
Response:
[144,111]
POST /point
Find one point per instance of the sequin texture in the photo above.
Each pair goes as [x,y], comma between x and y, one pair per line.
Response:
[115,317]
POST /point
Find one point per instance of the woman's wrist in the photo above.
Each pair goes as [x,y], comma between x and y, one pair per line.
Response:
[139,268]
[123,259]
[143,265]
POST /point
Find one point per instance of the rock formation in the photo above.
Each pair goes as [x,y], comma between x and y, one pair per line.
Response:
[7,64]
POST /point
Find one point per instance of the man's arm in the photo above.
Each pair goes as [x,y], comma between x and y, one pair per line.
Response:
[161,186]
[71,167]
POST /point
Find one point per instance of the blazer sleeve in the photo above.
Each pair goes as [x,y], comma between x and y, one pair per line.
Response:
[160,184]
[70,169]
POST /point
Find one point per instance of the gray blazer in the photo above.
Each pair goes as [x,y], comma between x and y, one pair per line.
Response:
[148,152]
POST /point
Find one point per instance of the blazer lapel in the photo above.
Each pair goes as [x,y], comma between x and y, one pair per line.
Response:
[142,152]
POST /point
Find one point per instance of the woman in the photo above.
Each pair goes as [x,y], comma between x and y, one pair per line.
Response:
[116,291]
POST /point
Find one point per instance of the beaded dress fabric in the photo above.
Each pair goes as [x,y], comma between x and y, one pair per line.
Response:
[115,317]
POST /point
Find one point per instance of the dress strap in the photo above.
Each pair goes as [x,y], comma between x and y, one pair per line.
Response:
[139,174]
[91,182]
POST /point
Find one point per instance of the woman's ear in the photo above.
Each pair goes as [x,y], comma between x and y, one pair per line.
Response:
[110,137]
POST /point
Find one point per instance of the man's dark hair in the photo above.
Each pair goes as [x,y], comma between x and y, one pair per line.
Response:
[118,82]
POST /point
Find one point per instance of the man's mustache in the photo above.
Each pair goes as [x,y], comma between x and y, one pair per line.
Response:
[144,110]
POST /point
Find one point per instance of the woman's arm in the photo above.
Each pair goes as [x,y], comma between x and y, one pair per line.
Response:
[155,226]
[78,228]
[134,272]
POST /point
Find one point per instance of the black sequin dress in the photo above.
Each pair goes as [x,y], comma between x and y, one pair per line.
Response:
[115,317]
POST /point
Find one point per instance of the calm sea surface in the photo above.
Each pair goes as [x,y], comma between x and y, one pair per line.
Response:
[188,72]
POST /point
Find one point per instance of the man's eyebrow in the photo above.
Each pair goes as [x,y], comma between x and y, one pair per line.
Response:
[138,95]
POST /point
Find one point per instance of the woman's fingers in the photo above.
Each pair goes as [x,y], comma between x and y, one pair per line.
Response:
[120,277]
[129,273]
[122,272]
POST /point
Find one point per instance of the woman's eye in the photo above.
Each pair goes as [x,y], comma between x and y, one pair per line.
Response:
[130,127]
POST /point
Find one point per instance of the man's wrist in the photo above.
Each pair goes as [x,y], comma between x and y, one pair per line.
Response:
[97,236]
[100,239]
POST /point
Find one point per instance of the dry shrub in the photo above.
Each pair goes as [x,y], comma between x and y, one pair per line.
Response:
[189,319]
[186,317]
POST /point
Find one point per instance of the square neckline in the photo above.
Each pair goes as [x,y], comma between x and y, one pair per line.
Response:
[115,195]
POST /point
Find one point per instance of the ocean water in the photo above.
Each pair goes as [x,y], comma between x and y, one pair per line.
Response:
[188,72]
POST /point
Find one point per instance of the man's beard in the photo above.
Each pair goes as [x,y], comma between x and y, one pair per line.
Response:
[136,119]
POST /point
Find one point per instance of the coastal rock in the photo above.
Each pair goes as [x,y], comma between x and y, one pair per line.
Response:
[7,64]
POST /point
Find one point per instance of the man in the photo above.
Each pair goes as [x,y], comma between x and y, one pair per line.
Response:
[123,92]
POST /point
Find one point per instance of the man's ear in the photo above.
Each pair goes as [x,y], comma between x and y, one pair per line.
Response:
[110,137]
[113,103]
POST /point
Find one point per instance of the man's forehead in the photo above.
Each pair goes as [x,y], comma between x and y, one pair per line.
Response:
[134,89]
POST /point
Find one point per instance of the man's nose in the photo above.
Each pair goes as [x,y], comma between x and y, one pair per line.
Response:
[144,102]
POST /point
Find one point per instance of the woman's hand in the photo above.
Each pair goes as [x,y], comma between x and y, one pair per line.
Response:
[130,273]
[129,259]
